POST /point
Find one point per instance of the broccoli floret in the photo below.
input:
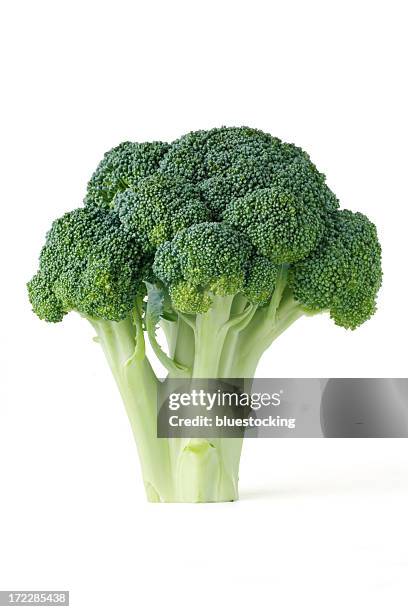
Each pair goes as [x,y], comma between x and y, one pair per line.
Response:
[205,258]
[260,280]
[278,223]
[212,258]
[343,274]
[159,207]
[122,167]
[223,238]
[90,263]
[45,303]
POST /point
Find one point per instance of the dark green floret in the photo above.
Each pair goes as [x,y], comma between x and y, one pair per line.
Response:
[159,207]
[122,167]
[279,224]
[260,280]
[205,258]
[90,263]
[343,274]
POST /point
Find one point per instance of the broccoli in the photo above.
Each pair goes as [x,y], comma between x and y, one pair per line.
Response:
[223,238]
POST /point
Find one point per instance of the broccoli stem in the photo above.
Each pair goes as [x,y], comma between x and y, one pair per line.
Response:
[182,345]
[174,470]
[227,341]
[210,332]
[205,470]
[137,384]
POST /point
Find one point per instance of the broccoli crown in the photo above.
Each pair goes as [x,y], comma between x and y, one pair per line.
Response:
[215,212]
[230,163]
[90,263]
[343,274]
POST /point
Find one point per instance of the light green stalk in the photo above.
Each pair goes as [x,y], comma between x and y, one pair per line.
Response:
[207,469]
[137,384]
[225,342]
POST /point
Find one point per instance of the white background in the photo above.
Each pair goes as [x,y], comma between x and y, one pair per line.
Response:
[322,523]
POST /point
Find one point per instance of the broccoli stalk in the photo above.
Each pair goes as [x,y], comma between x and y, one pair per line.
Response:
[191,470]
[137,384]
[223,239]
[185,470]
